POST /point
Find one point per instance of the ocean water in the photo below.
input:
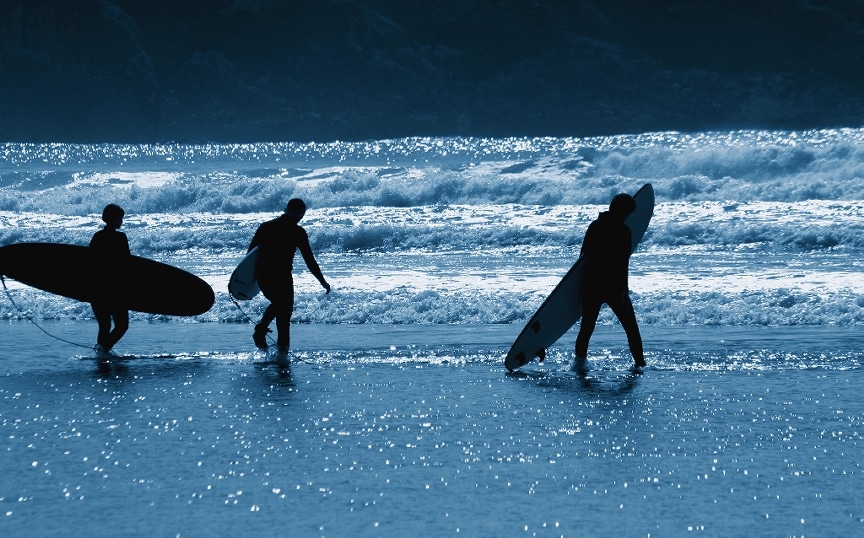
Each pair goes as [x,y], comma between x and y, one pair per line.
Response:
[396,413]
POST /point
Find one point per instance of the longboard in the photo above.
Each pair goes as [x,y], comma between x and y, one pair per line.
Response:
[243,285]
[563,307]
[133,282]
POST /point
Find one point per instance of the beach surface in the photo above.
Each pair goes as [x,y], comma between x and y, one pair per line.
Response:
[389,429]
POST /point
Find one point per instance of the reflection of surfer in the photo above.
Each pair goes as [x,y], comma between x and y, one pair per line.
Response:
[277,241]
[112,246]
[606,249]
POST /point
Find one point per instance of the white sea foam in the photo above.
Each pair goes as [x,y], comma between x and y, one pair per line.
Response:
[750,227]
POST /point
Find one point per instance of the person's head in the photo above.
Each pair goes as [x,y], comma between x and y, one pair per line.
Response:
[295,209]
[112,215]
[622,205]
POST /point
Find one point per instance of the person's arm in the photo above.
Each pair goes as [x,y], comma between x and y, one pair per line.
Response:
[309,258]
[629,243]
[255,240]
[588,240]
[125,245]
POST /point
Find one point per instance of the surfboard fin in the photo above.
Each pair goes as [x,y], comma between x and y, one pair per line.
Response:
[520,358]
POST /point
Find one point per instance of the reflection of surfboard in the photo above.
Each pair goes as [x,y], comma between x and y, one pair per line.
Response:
[243,285]
[563,307]
[133,282]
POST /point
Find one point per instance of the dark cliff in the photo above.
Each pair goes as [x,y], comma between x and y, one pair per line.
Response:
[256,70]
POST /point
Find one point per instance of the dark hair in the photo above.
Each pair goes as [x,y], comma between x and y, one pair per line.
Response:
[296,206]
[112,213]
[622,204]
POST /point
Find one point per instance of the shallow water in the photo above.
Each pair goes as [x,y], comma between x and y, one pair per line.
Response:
[389,429]
[396,413]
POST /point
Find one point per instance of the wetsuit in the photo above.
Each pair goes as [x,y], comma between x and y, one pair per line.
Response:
[606,248]
[278,240]
[112,247]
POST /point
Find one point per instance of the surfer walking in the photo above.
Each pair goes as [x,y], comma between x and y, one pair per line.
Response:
[606,248]
[112,247]
[277,241]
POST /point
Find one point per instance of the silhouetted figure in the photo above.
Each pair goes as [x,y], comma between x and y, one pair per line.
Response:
[112,247]
[277,241]
[606,248]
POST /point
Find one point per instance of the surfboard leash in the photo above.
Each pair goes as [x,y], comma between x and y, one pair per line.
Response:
[252,322]
[240,308]
[245,315]
[33,321]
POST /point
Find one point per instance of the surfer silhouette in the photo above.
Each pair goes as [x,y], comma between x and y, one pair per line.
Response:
[112,246]
[277,241]
[606,249]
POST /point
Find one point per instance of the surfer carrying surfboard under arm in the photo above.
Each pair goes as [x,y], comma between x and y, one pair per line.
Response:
[112,247]
[606,248]
[278,240]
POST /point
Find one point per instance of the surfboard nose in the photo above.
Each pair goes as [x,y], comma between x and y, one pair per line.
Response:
[132,282]
[203,304]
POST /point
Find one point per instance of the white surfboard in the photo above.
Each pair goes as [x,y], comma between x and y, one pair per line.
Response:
[243,285]
[563,307]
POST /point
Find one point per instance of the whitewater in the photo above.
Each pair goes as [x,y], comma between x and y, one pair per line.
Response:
[751,228]
[396,414]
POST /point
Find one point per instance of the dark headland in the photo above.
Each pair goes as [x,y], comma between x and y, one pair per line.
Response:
[300,70]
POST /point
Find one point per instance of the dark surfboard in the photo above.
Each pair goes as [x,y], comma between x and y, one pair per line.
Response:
[132,282]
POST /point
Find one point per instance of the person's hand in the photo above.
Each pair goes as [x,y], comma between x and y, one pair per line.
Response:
[326,287]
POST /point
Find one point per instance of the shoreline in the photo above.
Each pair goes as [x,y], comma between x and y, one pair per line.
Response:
[483,343]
